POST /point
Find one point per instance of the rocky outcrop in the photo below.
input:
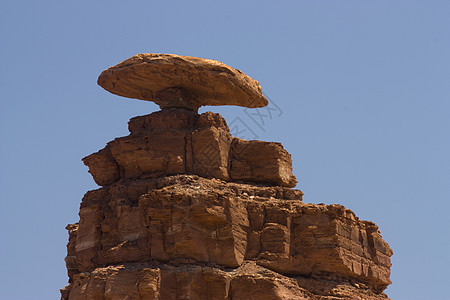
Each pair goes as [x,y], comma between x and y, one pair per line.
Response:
[187,211]
[203,282]
[179,141]
[148,227]
[214,227]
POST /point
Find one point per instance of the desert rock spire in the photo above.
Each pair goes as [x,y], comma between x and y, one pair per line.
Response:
[187,211]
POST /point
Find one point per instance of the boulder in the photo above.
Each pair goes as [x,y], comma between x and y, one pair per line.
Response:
[172,80]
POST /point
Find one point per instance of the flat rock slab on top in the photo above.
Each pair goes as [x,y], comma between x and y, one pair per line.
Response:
[181,81]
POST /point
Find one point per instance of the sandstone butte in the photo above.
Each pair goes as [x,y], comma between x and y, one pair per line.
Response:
[187,211]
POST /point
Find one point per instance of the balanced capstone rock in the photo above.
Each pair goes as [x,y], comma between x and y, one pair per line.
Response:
[187,82]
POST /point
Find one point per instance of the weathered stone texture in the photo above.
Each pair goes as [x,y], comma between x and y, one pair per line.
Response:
[187,211]
[178,141]
[181,81]
[201,282]
[186,219]
[257,161]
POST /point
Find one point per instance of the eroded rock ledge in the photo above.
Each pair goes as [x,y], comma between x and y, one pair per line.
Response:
[154,224]
[204,282]
[179,141]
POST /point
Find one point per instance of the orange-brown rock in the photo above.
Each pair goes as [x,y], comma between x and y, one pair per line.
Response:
[186,211]
[171,80]
[189,220]
[179,141]
[202,282]
[257,161]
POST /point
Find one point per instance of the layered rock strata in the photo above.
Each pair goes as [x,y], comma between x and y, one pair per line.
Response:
[186,211]
[179,141]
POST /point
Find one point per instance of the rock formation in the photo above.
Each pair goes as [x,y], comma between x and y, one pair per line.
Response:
[186,211]
[181,81]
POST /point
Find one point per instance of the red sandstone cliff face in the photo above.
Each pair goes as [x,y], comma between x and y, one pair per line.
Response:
[186,211]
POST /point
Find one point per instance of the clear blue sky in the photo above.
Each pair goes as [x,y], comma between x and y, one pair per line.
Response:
[363,86]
